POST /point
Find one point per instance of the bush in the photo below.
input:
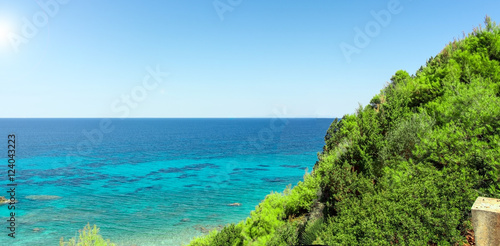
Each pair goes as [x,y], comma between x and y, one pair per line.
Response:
[311,232]
[87,237]
[285,235]
[268,216]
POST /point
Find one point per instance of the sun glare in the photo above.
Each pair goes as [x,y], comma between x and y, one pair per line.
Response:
[4,32]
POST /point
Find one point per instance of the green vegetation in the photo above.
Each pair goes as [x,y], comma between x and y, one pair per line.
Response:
[403,170]
[87,237]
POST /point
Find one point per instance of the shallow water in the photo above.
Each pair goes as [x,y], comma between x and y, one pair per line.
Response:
[150,181]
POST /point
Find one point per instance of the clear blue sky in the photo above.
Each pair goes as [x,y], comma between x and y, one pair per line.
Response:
[263,58]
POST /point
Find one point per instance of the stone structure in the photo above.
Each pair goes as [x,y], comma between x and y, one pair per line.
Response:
[486,221]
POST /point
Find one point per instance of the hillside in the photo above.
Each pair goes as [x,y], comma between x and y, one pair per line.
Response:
[404,170]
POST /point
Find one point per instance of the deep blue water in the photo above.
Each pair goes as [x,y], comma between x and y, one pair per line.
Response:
[149,181]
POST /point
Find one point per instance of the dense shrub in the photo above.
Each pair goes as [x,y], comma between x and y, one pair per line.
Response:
[285,235]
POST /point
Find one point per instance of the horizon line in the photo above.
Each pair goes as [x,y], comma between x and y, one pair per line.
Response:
[118,118]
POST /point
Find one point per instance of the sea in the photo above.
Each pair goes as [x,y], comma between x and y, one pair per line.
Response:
[146,181]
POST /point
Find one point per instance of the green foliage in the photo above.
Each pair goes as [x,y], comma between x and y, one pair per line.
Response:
[285,235]
[403,170]
[205,240]
[299,199]
[401,77]
[267,217]
[402,139]
[311,232]
[413,205]
[87,237]
[229,236]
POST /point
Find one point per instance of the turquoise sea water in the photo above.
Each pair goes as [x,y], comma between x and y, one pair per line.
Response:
[149,181]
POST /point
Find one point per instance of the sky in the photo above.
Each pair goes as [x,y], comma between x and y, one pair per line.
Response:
[222,58]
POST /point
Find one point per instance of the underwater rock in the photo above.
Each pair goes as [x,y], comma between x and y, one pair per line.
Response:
[202,229]
[37,229]
[43,197]
[3,200]
[205,229]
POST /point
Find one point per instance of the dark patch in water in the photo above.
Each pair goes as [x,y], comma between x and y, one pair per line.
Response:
[253,169]
[82,181]
[186,176]
[171,170]
[26,182]
[96,176]
[275,180]
[263,165]
[153,187]
[96,164]
[290,166]
[79,181]
[118,180]
[191,185]
[150,174]
[102,176]
[198,167]
[61,171]
[49,182]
